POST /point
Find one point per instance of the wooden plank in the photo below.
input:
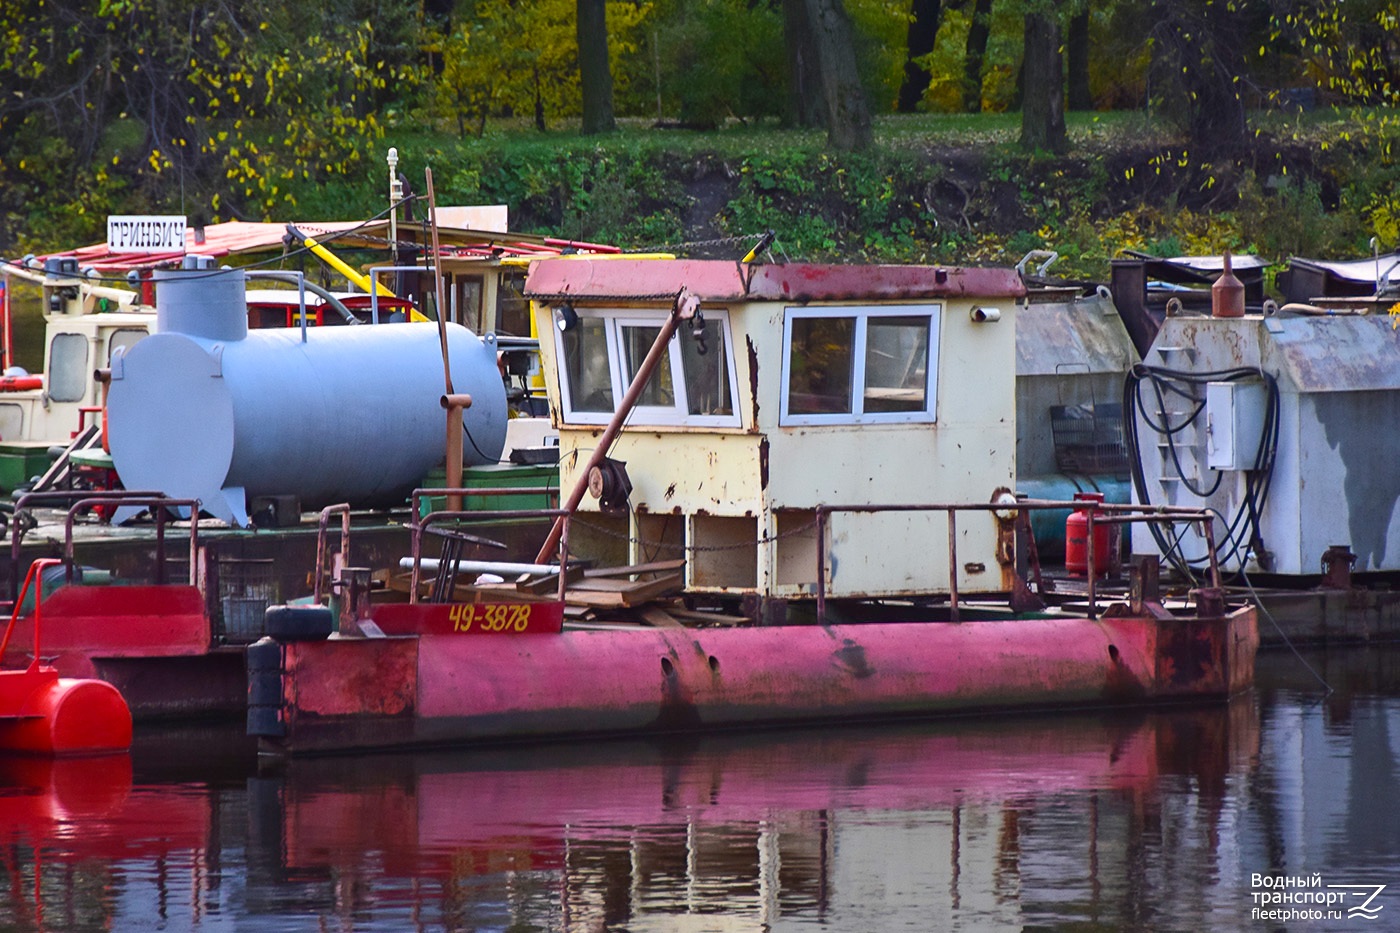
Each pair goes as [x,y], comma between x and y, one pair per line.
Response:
[547,583]
[399,582]
[593,600]
[654,587]
[497,592]
[712,618]
[603,585]
[647,590]
[659,618]
[659,566]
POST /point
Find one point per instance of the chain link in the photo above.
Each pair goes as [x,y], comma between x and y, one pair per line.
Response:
[727,241]
[718,241]
[583,296]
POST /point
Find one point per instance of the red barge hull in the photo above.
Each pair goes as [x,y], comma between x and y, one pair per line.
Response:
[439,688]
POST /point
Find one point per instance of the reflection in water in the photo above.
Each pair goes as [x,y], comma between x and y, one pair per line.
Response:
[1149,820]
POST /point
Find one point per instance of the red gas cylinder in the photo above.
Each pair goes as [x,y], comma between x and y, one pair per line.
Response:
[1077,540]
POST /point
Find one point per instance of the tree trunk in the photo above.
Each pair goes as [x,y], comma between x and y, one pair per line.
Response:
[845,111]
[539,102]
[1077,62]
[975,55]
[1042,71]
[924,19]
[804,107]
[1197,56]
[595,73]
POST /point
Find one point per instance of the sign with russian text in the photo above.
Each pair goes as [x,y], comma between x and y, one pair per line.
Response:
[141,233]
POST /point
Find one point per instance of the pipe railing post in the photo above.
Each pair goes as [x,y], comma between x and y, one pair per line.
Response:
[454,404]
[821,565]
[375,287]
[953,564]
[1093,569]
[322,528]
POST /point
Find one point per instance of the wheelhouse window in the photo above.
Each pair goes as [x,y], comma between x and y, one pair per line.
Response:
[859,365]
[124,339]
[68,367]
[693,384]
[587,374]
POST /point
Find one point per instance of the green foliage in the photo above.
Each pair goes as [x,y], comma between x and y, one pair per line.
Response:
[722,58]
[281,114]
[192,106]
[1285,216]
[1000,69]
[257,109]
[503,58]
[881,28]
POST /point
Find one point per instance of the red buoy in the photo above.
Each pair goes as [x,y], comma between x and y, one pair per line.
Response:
[42,713]
[20,383]
[1077,540]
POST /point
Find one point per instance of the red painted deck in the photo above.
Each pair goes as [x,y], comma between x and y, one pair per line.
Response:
[89,622]
[42,713]
[153,643]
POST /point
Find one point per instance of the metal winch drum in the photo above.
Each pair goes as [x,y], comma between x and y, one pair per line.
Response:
[207,409]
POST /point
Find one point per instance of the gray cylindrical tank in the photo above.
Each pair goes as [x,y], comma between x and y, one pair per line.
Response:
[350,415]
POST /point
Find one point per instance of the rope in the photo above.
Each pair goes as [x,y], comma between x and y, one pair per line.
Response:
[1259,603]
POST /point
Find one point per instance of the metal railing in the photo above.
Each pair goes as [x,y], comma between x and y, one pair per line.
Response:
[422,522]
[35,578]
[1096,514]
[1115,514]
[81,499]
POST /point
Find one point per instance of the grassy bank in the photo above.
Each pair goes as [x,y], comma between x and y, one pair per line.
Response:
[936,188]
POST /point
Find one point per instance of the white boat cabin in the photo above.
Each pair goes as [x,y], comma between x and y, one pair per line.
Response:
[84,325]
[806,386]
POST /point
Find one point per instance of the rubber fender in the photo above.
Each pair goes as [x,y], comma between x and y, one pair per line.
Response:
[264,655]
[299,623]
[264,722]
[264,688]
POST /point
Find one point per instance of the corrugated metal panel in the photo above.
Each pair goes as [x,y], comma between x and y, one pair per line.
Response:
[238,237]
[1072,338]
[814,282]
[634,279]
[720,281]
[1342,353]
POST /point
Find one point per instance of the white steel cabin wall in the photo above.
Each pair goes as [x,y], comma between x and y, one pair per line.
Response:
[769,477]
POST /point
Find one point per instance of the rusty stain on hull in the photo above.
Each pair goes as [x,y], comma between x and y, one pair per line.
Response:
[851,657]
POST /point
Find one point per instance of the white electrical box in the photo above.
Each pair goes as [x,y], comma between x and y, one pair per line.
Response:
[1235,415]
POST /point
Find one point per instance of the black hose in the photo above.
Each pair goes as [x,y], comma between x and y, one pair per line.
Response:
[336,304]
[1243,532]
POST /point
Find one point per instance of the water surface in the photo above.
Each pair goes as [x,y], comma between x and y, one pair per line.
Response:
[1177,819]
